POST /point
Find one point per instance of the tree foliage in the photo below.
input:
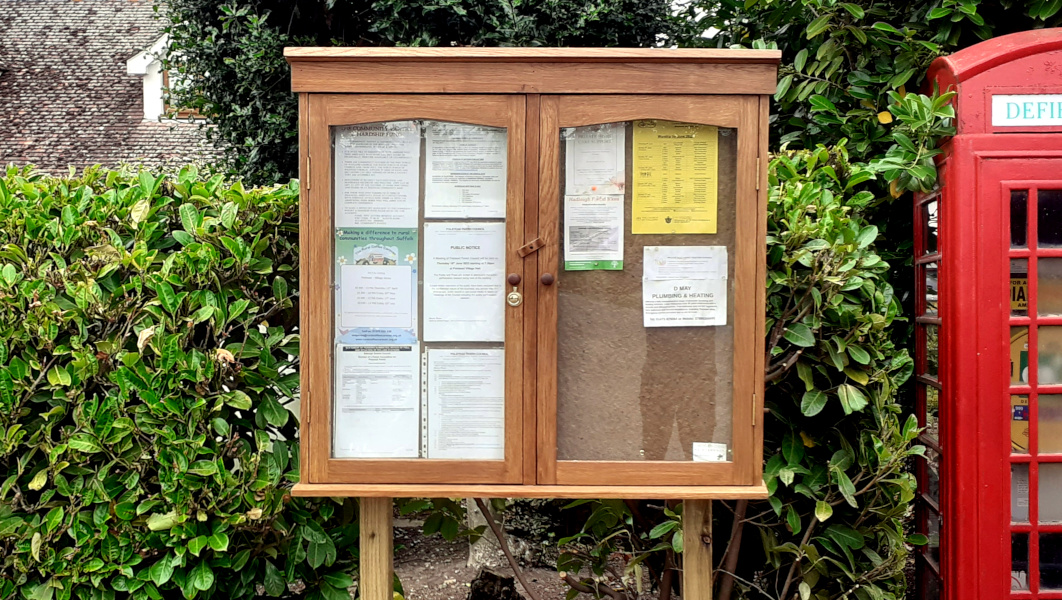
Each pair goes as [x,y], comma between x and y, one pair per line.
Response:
[226,59]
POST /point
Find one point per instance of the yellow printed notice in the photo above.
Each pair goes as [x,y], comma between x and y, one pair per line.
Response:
[675,177]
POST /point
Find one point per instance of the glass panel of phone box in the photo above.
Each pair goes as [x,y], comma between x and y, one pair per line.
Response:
[419,290]
[646,292]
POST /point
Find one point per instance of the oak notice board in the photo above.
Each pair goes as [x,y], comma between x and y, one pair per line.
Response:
[532,272]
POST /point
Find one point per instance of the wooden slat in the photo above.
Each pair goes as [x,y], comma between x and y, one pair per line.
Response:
[548,262]
[697,550]
[576,111]
[672,472]
[747,314]
[686,55]
[376,555]
[514,315]
[316,295]
[763,158]
[532,78]
[306,377]
[529,287]
[702,492]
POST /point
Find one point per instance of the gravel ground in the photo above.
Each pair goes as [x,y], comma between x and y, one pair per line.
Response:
[431,568]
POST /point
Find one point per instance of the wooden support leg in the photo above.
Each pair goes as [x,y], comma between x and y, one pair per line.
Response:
[376,566]
[697,550]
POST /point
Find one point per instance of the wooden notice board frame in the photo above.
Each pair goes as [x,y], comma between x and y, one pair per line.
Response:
[532,93]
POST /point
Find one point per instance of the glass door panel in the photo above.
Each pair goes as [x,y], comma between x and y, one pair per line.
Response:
[425,350]
[651,215]
[645,309]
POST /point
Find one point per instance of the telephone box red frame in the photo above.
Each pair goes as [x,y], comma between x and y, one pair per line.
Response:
[964,229]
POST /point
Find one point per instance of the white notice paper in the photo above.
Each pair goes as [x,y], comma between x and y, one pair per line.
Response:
[593,162]
[464,172]
[377,401]
[377,174]
[684,286]
[684,262]
[466,404]
[375,296]
[593,233]
[464,282]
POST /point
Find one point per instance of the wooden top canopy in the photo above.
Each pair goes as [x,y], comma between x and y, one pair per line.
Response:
[533,70]
[702,55]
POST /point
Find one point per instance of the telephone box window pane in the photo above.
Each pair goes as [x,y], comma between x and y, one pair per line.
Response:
[1050,492]
[1019,493]
[1049,223]
[1019,218]
[1049,286]
[932,349]
[1049,355]
[932,412]
[629,359]
[932,586]
[1019,287]
[1019,561]
[1049,423]
[1019,356]
[932,289]
[1019,424]
[1051,561]
[932,489]
[933,533]
[930,220]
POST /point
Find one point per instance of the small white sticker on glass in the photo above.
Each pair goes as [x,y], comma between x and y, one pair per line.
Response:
[709,452]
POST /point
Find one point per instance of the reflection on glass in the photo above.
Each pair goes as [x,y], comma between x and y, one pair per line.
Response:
[1019,493]
[932,349]
[1049,355]
[932,412]
[1050,493]
[1019,287]
[1049,286]
[1051,561]
[930,218]
[1049,223]
[1019,356]
[628,187]
[1049,423]
[933,533]
[419,258]
[1019,561]
[932,475]
[1019,218]
[932,586]
[1019,425]
[932,292]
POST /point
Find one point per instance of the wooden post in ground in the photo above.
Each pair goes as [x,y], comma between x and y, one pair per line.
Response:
[697,550]
[376,558]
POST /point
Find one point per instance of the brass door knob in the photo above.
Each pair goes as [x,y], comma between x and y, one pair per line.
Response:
[547,279]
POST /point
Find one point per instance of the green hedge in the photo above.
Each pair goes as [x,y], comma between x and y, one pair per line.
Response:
[148,347]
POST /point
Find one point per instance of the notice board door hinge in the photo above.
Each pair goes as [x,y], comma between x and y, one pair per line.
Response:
[530,247]
[753,410]
[309,172]
[757,173]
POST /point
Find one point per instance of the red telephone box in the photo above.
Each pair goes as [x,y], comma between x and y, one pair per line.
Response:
[989,328]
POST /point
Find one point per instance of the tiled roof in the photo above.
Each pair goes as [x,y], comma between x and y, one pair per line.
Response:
[65,97]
